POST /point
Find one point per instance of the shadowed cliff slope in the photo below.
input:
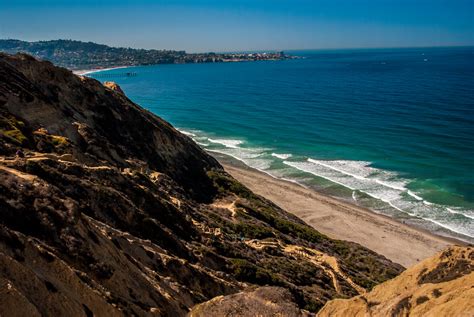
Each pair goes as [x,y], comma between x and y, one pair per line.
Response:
[106,209]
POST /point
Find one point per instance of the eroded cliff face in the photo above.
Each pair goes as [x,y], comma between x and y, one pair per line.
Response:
[439,286]
[262,301]
[106,209]
[98,123]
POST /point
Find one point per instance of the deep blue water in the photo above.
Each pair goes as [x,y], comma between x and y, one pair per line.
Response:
[391,129]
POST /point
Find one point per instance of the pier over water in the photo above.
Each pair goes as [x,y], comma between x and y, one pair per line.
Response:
[110,75]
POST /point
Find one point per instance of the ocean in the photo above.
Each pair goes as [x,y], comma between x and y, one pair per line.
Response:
[387,129]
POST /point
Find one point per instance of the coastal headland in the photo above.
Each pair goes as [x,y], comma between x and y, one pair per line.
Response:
[80,56]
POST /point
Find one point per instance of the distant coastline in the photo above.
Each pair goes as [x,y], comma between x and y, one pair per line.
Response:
[232,58]
[79,56]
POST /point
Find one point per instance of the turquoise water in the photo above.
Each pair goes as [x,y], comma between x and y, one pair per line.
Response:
[392,130]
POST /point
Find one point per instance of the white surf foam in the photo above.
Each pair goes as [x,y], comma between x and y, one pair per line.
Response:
[187,133]
[385,186]
[248,157]
[353,175]
[358,176]
[230,143]
[412,194]
[465,213]
[354,195]
[282,156]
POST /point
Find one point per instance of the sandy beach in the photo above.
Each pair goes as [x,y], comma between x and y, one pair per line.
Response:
[340,220]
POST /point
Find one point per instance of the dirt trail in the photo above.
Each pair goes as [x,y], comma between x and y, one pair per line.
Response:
[226,205]
[25,176]
[328,264]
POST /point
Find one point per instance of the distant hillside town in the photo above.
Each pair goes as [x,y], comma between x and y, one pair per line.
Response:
[88,55]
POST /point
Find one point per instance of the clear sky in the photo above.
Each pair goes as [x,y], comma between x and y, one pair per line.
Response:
[231,25]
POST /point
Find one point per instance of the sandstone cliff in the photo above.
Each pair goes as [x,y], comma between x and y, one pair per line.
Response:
[439,286]
[107,210]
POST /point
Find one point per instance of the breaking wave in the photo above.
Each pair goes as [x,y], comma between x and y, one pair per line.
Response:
[388,188]
[359,176]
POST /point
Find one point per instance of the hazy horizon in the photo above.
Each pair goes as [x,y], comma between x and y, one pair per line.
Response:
[229,26]
[258,50]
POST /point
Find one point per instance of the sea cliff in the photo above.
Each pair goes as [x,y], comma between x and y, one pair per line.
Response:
[439,286]
[107,210]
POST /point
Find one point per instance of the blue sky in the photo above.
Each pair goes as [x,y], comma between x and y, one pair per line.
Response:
[210,25]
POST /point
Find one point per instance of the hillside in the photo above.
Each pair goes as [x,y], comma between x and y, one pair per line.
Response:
[106,209]
[88,55]
[439,286]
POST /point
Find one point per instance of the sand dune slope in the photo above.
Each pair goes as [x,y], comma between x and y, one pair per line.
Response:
[439,286]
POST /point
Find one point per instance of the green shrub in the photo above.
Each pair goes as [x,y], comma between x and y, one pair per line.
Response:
[59,140]
[291,228]
[14,135]
[225,184]
[12,129]
[313,306]
[298,272]
[245,271]
[253,231]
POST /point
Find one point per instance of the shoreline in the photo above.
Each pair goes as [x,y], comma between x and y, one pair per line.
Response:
[338,219]
[83,72]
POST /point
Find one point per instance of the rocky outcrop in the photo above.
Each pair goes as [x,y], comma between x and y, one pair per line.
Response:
[100,124]
[113,86]
[107,210]
[439,286]
[263,301]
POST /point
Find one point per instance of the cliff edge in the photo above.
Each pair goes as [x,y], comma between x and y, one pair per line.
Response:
[439,286]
